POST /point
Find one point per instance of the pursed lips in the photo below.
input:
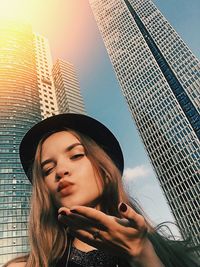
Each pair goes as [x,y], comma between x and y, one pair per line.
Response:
[64,186]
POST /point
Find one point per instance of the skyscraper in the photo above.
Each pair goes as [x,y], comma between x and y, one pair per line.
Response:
[27,95]
[160,79]
[67,88]
[48,102]
[19,110]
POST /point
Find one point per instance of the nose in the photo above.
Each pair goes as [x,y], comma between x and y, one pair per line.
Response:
[60,175]
[62,170]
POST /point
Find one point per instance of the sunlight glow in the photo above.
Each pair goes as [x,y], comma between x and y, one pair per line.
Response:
[14,9]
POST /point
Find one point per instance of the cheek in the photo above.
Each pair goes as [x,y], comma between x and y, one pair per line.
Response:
[49,185]
[92,176]
[97,183]
[91,179]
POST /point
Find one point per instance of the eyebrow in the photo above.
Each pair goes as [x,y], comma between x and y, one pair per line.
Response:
[69,148]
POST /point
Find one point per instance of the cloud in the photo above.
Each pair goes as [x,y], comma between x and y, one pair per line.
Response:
[134,173]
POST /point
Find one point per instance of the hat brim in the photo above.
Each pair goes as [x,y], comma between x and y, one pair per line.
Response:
[78,122]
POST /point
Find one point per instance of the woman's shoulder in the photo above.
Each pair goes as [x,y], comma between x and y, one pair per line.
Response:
[16,264]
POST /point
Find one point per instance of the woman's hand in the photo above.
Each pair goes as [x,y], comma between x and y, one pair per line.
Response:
[126,237]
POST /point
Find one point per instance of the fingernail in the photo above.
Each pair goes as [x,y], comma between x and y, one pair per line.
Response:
[123,207]
[62,213]
[73,211]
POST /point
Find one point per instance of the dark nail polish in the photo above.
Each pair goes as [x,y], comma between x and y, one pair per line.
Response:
[74,211]
[123,207]
[62,213]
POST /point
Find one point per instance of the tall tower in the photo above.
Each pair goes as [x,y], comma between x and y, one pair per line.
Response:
[67,88]
[19,110]
[48,103]
[160,79]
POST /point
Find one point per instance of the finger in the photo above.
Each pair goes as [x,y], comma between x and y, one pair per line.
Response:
[97,239]
[136,220]
[75,219]
[93,214]
[123,222]
[63,210]
[91,238]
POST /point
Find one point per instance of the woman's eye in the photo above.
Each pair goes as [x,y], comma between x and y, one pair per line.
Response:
[46,172]
[76,156]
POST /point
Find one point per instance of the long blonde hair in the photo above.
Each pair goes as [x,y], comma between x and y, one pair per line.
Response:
[48,238]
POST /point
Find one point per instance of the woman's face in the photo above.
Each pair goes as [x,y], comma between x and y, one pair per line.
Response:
[68,173]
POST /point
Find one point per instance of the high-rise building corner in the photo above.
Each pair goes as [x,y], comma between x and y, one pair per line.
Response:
[46,89]
[67,88]
[160,79]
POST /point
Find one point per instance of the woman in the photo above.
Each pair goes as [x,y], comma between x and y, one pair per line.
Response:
[80,214]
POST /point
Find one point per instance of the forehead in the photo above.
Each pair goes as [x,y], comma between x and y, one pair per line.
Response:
[58,139]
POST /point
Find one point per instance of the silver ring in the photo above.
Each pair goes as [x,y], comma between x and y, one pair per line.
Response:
[96,234]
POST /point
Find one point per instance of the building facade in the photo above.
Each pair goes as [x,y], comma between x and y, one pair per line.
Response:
[160,80]
[67,88]
[27,95]
[19,110]
[48,102]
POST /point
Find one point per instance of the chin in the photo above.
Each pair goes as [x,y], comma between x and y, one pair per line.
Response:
[68,203]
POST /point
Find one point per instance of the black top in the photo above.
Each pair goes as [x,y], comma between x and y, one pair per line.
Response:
[93,258]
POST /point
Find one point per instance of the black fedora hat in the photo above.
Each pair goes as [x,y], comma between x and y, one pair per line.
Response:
[78,122]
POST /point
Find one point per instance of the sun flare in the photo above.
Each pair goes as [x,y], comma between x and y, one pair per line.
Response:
[13,9]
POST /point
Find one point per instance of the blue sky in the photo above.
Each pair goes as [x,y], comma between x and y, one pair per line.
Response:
[73,35]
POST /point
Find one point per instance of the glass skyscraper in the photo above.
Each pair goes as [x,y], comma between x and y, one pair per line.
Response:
[19,110]
[27,95]
[67,88]
[160,79]
[47,95]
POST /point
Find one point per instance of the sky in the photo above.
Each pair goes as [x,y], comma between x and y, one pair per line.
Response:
[73,35]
